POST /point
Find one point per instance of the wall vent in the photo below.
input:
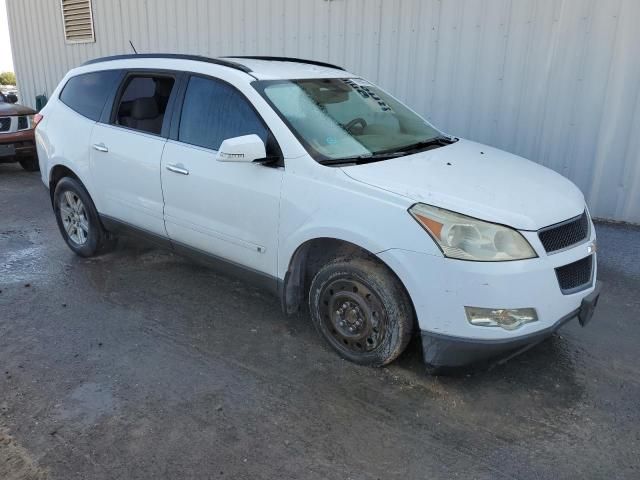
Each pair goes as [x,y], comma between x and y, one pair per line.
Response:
[77,18]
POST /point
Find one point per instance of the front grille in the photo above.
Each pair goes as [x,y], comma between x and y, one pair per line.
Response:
[576,276]
[22,123]
[5,124]
[565,234]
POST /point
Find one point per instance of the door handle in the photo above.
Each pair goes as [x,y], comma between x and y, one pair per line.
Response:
[101,147]
[177,169]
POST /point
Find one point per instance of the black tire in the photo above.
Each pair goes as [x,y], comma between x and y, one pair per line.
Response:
[97,239]
[362,310]
[30,164]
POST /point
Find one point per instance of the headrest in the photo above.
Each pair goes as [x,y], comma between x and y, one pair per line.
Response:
[163,87]
[145,108]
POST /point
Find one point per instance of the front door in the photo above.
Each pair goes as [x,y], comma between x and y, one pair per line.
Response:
[224,209]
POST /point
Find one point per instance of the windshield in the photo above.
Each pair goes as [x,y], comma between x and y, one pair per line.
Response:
[345,118]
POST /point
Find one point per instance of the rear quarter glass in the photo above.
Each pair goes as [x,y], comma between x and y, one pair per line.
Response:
[88,92]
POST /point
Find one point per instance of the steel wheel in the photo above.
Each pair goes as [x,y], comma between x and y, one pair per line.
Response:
[74,217]
[361,309]
[354,315]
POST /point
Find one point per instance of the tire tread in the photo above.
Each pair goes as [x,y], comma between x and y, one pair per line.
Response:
[388,288]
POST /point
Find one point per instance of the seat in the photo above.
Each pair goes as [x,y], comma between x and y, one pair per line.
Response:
[145,116]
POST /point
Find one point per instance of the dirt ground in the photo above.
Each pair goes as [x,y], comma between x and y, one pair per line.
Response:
[143,365]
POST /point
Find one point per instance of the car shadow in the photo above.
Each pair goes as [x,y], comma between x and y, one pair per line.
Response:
[548,368]
[14,169]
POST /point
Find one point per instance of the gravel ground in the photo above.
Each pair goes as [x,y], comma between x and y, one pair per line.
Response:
[141,364]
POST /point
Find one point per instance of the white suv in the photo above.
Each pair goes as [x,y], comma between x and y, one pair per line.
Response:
[324,188]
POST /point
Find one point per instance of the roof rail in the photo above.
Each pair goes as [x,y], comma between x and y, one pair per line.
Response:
[287,59]
[177,56]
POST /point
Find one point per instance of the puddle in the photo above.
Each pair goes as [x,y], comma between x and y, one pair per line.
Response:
[20,258]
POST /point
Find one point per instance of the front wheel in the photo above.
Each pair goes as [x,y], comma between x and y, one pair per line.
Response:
[362,310]
[30,164]
[78,219]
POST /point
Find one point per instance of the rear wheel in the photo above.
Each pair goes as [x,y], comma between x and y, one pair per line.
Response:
[78,219]
[362,310]
[30,164]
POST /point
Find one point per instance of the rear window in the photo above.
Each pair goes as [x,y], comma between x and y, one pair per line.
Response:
[87,93]
[143,103]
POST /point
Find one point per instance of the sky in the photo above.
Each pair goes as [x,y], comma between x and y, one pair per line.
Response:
[6,60]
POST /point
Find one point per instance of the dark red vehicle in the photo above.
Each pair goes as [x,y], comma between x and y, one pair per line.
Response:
[17,142]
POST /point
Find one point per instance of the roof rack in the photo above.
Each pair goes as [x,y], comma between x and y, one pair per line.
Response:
[287,59]
[177,56]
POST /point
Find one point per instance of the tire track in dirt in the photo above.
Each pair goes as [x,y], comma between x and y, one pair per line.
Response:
[15,461]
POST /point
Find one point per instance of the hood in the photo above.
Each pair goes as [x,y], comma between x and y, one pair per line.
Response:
[479,181]
[9,109]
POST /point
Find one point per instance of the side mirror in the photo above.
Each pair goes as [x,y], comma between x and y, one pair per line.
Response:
[247,148]
[11,98]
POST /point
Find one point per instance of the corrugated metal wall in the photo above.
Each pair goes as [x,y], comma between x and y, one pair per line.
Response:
[557,81]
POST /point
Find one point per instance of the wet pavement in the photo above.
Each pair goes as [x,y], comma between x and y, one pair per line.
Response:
[141,364]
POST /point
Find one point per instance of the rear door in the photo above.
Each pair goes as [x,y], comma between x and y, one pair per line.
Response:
[225,209]
[126,150]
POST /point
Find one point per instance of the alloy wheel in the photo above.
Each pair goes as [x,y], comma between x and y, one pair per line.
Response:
[74,217]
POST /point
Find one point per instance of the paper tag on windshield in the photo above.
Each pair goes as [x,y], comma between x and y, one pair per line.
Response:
[359,82]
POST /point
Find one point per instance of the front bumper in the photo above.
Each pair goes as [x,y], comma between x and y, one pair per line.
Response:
[440,288]
[17,144]
[449,351]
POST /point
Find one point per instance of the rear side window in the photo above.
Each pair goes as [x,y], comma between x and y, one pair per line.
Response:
[143,103]
[213,112]
[87,93]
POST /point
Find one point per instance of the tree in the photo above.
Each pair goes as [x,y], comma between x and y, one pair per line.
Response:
[7,78]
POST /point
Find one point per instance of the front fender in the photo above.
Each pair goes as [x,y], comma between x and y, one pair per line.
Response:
[334,206]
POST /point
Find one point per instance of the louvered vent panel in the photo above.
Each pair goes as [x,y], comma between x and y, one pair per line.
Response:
[78,21]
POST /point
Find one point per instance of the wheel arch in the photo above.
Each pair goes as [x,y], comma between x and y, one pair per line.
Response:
[57,173]
[309,257]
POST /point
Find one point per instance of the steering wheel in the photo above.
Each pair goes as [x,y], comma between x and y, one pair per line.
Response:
[356,121]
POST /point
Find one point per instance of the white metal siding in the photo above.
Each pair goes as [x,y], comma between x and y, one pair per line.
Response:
[556,81]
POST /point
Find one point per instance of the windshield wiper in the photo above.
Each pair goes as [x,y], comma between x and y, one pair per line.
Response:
[439,141]
[360,159]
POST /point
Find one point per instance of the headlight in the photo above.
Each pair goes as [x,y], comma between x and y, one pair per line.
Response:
[468,238]
[31,121]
